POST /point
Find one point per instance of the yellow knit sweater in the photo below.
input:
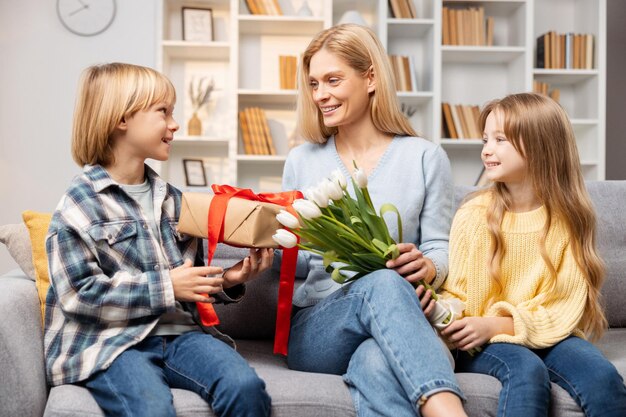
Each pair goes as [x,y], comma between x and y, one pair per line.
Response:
[541,317]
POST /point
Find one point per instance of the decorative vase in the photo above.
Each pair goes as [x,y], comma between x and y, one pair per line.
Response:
[352,16]
[305,10]
[194,127]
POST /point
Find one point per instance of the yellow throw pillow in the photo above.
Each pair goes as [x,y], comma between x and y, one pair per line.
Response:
[37,224]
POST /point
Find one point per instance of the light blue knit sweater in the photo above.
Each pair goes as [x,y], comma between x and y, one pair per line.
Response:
[413,174]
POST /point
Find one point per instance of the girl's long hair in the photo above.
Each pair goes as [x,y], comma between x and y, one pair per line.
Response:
[539,129]
[359,47]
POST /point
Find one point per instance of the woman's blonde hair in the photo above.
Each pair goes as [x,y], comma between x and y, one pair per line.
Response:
[539,129]
[107,94]
[359,47]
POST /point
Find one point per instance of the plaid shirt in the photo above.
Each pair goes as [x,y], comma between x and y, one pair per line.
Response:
[109,274]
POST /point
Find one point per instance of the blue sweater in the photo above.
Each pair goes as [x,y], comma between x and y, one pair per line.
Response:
[413,174]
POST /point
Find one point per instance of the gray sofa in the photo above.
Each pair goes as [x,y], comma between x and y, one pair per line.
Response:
[23,390]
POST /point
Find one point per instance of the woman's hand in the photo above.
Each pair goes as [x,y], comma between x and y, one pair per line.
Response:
[412,264]
[258,261]
[190,283]
[472,332]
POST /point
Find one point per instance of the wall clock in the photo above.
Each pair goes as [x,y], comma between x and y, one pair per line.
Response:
[86,17]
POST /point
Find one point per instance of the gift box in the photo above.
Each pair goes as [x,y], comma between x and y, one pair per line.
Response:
[239,217]
[247,223]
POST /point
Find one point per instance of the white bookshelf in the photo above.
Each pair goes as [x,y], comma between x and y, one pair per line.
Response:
[243,58]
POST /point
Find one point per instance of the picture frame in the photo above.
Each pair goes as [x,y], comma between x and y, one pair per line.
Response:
[197,24]
[195,175]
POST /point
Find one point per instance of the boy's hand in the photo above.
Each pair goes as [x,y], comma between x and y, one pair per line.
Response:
[426,300]
[258,261]
[191,283]
[412,264]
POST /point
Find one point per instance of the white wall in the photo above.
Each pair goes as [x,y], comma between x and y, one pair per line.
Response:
[40,65]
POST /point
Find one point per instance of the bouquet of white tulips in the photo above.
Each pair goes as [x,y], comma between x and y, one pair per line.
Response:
[349,235]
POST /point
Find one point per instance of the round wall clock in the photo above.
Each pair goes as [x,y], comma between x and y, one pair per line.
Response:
[86,17]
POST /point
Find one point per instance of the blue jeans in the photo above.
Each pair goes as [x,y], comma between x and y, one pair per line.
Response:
[374,333]
[574,364]
[138,381]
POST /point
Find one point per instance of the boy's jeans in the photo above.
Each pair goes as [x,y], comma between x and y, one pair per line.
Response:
[138,381]
[373,331]
[574,364]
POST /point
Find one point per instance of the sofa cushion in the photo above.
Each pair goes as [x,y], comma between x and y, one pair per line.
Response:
[608,199]
[38,224]
[17,241]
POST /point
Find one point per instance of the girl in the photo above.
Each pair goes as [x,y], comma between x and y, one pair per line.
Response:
[523,259]
[120,312]
[367,330]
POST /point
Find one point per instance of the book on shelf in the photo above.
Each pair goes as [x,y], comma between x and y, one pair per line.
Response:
[545,89]
[403,9]
[466,26]
[404,72]
[255,132]
[264,7]
[564,50]
[460,121]
[287,69]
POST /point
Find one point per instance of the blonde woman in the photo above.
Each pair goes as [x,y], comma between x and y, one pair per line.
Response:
[372,331]
[121,318]
[523,258]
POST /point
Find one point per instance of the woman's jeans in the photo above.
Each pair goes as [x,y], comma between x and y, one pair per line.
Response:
[374,333]
[574,364]
[138,381]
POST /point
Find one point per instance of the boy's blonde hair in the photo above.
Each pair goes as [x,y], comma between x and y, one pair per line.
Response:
[359,47]
[540,130]
[107,94]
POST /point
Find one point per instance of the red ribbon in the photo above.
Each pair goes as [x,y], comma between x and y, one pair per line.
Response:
[217,213]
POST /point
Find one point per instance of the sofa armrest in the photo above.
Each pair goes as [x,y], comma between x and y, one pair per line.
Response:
[23,389]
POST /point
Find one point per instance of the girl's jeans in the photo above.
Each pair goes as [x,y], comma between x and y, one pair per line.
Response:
[574,364]
[138,381]
[374,333]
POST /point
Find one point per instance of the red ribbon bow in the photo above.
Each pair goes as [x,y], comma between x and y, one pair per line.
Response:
[217,212]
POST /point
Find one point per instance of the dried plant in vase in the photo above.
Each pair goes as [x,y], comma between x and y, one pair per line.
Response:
[199,94]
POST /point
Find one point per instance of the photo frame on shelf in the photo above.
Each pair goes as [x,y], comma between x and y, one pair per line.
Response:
[197,24]
[195,175]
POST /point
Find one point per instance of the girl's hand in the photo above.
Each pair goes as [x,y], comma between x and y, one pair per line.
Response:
[258,261]
[190,283]
[412,264]
[472,332]
[426,300]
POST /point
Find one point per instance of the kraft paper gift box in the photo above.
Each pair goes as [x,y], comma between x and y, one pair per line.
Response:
[247,223]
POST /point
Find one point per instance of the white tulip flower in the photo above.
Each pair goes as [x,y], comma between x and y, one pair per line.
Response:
[360,178]
[307,209]
[333,189]
[285,238]
[287,219]
[318,195]
[338,178]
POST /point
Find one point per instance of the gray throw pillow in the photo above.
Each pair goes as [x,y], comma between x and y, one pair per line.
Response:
[17,241]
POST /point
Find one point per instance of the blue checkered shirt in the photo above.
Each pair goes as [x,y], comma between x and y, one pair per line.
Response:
[109,274]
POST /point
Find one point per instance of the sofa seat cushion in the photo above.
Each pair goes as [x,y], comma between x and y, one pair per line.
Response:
[293,393]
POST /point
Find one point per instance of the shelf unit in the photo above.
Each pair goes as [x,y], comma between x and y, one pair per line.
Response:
[243,59]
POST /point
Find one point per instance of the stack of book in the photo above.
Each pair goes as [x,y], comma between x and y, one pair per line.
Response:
[565,50]
[287,66]
[255,132]
[403,9]
[269,7]
[460,121]
[544,88]
[467,26]
[403,72]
